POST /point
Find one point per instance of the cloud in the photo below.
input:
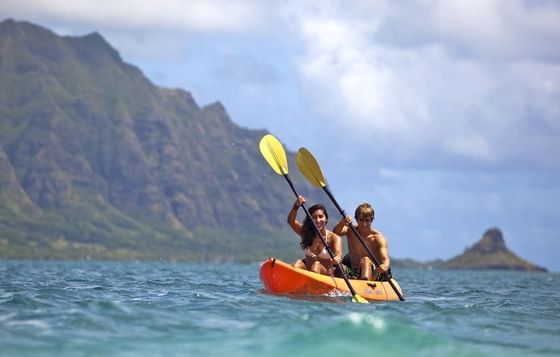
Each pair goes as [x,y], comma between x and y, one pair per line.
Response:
[190,16]
[469,145]
[464,83]
[149,29]
[496,28]
[336,60]
[202,46]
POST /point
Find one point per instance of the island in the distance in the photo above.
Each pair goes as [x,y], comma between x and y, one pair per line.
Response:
[489,253]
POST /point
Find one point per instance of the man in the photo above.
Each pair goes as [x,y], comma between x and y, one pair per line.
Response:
[358,259]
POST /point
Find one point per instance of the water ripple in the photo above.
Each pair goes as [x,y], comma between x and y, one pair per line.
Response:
[108,308]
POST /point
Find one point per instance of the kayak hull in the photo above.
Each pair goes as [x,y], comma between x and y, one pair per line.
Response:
[282,278]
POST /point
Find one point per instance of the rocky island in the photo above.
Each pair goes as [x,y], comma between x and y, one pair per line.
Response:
[489,253]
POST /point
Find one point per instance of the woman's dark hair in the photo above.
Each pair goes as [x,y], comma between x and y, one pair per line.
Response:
[309,227]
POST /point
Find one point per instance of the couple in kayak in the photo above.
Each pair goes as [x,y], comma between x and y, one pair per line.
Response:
[357,261]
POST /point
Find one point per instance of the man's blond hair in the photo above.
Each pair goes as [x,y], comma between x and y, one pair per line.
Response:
[364,211]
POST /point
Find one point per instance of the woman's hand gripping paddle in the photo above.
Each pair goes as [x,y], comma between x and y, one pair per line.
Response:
[273,152]
[311,170]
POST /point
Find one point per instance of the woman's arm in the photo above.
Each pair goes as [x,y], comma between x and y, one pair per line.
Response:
[292,216]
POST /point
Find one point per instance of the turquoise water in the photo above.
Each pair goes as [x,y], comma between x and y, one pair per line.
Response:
[167,309]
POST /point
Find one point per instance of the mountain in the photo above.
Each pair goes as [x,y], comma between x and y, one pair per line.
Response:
[98,162]
[490,252]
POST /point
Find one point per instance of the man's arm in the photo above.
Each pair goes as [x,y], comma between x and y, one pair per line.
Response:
[341,227]
[383,251]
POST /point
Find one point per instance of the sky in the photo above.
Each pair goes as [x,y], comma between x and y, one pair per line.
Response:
[445,115]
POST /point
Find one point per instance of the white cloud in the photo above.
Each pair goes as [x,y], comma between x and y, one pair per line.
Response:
[471,87]
[193,15]
[473,146]
[496,28]
[472,23]
[345,75]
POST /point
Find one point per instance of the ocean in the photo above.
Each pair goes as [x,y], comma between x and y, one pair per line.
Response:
[56,308]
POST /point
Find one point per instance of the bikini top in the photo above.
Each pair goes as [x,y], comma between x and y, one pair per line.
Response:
[322,255]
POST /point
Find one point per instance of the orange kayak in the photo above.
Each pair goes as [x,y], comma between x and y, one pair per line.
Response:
[280,277]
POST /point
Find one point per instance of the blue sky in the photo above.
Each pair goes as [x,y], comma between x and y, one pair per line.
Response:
[445,115]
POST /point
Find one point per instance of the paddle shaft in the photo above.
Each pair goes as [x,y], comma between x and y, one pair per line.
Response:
[329,250]
[357,234]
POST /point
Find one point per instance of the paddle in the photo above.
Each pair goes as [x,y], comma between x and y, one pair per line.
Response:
[311,170]
[273,152]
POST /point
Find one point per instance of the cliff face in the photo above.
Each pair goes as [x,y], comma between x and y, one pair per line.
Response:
[96,158]
[490,252]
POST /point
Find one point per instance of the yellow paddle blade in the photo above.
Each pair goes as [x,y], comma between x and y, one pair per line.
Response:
[309,167]
[359,299]
[273,152]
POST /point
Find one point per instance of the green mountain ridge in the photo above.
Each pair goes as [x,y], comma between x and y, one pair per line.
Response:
[97,162]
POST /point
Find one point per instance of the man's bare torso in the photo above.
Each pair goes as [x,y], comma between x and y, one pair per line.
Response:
[356,249]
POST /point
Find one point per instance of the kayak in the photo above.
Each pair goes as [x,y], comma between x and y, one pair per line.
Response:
[282,278]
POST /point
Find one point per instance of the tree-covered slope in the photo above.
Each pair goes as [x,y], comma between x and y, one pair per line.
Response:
[96,161]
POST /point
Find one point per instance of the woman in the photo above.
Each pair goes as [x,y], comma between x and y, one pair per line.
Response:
[317,258]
